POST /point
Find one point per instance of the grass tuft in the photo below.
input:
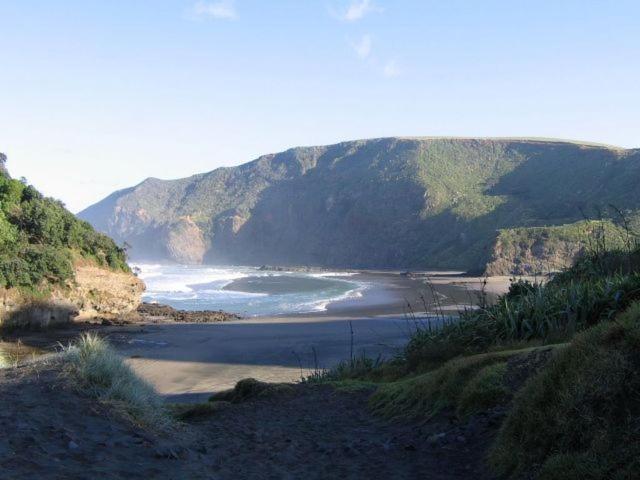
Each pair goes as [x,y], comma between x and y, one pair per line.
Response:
[249,389]
[102,373]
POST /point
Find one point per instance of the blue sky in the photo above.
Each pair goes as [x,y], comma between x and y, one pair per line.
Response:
[96,96]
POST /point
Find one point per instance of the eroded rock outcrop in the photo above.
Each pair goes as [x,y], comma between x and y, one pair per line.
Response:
[96,292]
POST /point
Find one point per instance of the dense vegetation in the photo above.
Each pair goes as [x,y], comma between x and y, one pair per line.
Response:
[39,238]
[560,358]
[395,203]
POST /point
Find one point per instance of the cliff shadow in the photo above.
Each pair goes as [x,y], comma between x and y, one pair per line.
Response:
[38,316]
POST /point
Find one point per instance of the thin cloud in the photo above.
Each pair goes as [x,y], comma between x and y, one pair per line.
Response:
[357,10]
[391,69]
[222,10]
[363,46]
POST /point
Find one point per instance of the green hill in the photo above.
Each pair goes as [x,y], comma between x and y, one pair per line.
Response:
[43,247]
[384,203]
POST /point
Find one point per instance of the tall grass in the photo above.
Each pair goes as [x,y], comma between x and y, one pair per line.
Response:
[597,288]
[102,373]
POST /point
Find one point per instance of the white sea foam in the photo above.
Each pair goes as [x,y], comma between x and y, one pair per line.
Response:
[332,274]
[202,288]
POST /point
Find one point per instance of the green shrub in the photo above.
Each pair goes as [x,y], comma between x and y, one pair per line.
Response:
[584,406]
[549,313]
[38,238]
[249,389]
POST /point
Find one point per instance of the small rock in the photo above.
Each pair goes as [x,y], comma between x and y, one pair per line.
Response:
[410,448]
[73,445]
[436,438]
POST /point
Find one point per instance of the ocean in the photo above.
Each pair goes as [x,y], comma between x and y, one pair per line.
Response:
[246,291]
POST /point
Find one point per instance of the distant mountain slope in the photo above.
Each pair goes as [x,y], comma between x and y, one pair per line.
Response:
[385,203]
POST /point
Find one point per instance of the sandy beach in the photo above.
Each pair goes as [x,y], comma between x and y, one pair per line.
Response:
[190,361]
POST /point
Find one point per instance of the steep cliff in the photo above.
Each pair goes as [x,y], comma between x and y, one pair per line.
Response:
[384,203]
[54,267]
[527,251]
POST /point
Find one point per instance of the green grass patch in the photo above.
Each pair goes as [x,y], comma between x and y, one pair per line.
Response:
[548,313]
[465,384]
[485,390]
[359,368]
[578,418]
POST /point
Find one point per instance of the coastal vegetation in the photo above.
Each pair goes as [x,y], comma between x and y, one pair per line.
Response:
[100,372]
[558,361]
[39,239]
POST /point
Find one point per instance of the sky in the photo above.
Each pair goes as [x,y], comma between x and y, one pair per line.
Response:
[96,96]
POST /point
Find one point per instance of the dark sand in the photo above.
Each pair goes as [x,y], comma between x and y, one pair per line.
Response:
[189,361]
[314,432]
[52,431]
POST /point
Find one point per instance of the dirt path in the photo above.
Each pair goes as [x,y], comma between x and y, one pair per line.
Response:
[314,432]
[51,432]
[319,433]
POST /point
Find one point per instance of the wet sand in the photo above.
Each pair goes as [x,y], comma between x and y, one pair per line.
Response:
[190,361]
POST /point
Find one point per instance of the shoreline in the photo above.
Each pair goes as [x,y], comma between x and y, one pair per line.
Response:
[366,292]
[392,292]
[191,359]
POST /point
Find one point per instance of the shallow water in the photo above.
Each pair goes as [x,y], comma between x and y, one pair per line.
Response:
[246,290]
[14,353]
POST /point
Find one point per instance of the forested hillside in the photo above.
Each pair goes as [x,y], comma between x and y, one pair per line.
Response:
[39,238]
[384,203]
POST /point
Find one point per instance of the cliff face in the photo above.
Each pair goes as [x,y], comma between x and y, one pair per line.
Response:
[99,292]
[94,292]
[53,266]
[385,203]
[527,251]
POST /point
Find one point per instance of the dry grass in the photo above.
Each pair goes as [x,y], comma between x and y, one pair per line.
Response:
[100,372]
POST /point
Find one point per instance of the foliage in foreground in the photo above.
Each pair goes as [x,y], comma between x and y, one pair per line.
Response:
[102,373]
[579,418]
[577,415]
[250,388]
[465,385]
[39,237]
[596,289]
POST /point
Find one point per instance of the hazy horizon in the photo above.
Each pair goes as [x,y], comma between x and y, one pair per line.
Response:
[97,97]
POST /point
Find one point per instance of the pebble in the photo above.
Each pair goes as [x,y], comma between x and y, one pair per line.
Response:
[436,438]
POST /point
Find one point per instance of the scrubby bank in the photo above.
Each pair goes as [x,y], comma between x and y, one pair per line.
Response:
[51,260]
[556,363]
